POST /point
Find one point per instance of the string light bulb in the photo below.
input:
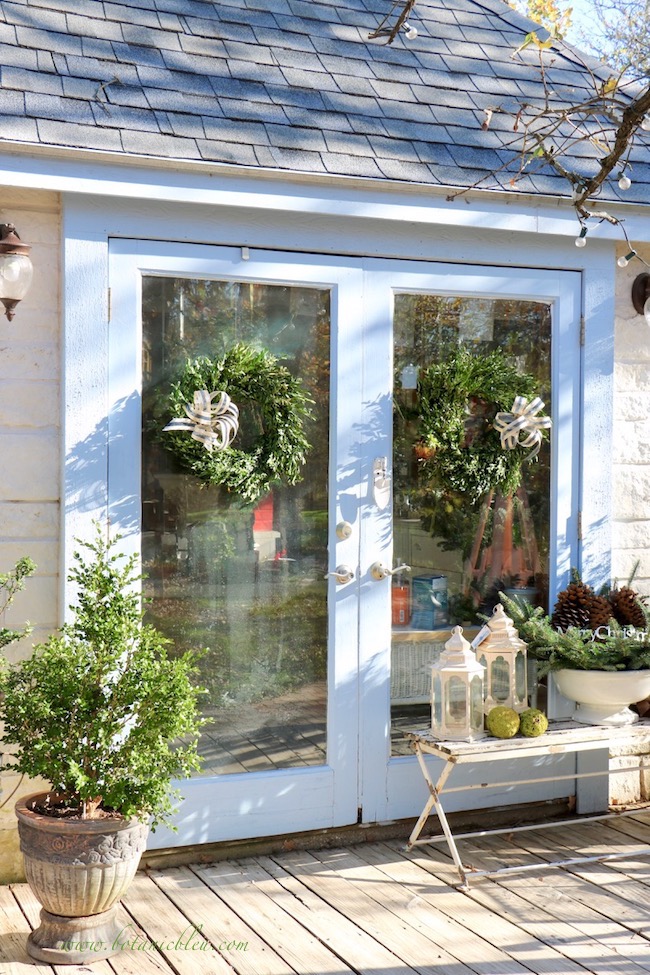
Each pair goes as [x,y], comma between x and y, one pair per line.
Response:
[645,123]
[411,32]
[624,261]
[624,182]
[581,240]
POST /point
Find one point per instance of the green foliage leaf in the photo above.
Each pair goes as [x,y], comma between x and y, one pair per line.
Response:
[11,583]
[102,709]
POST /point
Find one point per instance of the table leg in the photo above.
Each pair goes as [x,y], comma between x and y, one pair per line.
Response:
[434,802]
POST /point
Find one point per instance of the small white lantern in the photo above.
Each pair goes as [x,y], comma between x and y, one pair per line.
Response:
[457,692]
[503,655]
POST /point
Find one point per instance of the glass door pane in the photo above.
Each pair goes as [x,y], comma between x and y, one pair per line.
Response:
[462,551]
[245,583]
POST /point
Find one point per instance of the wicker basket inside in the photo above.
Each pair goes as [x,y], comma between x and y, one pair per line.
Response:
[410,674]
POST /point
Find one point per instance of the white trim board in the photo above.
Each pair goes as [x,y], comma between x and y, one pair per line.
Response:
[101,176]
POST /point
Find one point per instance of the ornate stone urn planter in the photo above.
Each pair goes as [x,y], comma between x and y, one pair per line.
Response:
[78,870]
[602,696]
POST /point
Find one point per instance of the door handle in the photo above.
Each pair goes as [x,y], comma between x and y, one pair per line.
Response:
[380,571]
[342,574]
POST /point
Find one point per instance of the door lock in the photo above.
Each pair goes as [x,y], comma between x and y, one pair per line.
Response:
[343,530]
[342,574]
[380,571]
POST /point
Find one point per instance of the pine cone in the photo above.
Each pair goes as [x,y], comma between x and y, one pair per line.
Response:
[626,608]
[573,607]
[600,612]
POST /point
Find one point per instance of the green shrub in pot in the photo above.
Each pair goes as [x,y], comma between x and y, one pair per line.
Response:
[108,716]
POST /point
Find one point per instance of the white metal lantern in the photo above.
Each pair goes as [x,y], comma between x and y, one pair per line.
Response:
[503,655]
[15,268]
[457,692]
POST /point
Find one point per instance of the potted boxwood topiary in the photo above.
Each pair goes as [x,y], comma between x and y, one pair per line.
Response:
[108,717]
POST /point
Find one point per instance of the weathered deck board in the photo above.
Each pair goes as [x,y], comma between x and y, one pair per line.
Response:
[408,939]
[374,909]
[444,930]
[496,928]
[220,924]
[558,930]
[587,907]
[235,885]
[167,925]
[361,951]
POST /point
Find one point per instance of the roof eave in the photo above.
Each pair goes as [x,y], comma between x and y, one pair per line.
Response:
[85,182]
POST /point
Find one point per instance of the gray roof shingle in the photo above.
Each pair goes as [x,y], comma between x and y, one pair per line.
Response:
[295,85]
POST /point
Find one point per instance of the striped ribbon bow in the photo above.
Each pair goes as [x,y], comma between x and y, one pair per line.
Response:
[522,422]
[215,425]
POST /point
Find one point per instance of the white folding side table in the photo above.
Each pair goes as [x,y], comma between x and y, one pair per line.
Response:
[562,737]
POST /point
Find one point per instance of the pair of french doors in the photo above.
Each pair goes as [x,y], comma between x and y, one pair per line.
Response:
[311,669]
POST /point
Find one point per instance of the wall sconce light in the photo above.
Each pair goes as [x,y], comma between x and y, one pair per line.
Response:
[15,268]
[641,295]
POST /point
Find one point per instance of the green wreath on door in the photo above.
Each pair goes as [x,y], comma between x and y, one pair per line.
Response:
[459,449]
[275,451]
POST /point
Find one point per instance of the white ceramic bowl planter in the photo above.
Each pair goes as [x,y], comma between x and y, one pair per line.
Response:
[603,696]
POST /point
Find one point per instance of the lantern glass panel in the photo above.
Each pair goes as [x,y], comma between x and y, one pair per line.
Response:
[456,709]
[520,676]
[476,704]
[436,701]
[499,683]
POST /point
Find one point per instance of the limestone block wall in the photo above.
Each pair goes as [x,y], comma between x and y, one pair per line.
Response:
[30,423]
[631,460]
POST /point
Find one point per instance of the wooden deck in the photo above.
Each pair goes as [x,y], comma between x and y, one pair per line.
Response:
[372,909]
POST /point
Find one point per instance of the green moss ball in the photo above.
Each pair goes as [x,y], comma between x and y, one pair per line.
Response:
[533,723]
[502,722]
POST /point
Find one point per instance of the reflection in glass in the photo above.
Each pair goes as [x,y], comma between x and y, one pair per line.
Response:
[246,583]
[476,705]
[456,703]
[462,553]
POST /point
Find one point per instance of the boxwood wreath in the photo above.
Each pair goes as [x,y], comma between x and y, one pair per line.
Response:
[280,405]
[459,450]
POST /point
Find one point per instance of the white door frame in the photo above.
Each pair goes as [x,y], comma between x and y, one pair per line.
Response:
[392,787]
[265,803]
[236,806]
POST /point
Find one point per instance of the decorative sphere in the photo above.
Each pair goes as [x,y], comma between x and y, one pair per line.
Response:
[533,723]
[502,722]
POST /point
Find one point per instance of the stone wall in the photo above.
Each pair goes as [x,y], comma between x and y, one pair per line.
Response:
[30,423]
[631,460]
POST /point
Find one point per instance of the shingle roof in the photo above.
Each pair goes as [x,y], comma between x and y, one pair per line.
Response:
[289,84]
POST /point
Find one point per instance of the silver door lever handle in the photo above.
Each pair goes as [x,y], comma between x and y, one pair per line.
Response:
[380,571]
[342,574]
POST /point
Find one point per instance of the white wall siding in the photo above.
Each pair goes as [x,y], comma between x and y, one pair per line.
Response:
[30,470]
[30,416]
[631,442]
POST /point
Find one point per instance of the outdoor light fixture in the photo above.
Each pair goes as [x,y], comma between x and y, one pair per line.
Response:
[15,268]
[641,295]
